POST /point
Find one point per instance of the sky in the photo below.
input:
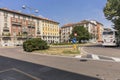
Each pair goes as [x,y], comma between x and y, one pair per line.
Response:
[62,11]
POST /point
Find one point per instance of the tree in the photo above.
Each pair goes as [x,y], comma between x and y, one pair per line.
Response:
[112,12]
[82,33]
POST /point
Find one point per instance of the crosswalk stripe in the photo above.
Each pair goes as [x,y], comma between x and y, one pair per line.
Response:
[116,59]
[95,57]
[100,57]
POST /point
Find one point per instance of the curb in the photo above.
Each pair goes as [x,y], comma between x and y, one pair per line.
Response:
[81,52]
[75,56]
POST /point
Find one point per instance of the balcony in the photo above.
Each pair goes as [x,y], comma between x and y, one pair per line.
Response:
[31,23]
[5,29]
[17,23]
[38,32]
[24,29]
[31,26]
[38,35]
[6,34]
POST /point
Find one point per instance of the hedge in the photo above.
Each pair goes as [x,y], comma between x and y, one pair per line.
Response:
[35,44]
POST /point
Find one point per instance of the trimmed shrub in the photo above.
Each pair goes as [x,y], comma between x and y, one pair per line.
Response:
[35,44]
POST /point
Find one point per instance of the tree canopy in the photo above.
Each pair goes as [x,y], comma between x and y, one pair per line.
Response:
[111,9]
[112,12]
[82,33]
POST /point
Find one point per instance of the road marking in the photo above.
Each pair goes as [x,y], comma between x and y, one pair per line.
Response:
[95,57]
[79,56]
[6,70]
[116,59]
[29,75]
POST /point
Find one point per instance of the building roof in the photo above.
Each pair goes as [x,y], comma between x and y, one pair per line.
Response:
[85,22]
[68,25]
[78,23]
[97,22]
[33,16]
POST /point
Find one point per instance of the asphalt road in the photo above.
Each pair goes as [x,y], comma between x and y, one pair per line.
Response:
[12,69]
[105,51]
[18,65]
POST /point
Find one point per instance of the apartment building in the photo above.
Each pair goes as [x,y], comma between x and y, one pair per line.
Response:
[16,27]
[100,29]
[92,28]
[66,30]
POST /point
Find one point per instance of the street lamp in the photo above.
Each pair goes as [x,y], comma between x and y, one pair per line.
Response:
[23,6]
[30,9]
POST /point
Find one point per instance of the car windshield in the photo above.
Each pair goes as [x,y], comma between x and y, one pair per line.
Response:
[108,33]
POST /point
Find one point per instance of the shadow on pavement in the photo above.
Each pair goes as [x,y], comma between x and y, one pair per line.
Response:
[12,69]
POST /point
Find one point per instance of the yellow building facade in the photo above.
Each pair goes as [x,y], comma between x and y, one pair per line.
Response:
[50,31]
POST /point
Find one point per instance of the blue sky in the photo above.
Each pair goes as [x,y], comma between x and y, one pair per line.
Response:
[63,11]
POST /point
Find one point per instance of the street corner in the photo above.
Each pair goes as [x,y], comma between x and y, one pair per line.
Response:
[83,52]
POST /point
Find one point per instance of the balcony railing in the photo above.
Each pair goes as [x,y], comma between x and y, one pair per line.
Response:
[6,29]
[5,34]
[31,23]
[38,32]
[24,29]
[17,23]
[31,26]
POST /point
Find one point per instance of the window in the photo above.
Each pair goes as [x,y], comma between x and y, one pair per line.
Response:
[108,33]
[5,14]
[18,16]
[5,19]
[13,15]
[24,18]
[37,22]
[116,33]
[5,24]
[28,18]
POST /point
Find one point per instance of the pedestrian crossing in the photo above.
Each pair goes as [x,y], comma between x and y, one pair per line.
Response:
[100,58]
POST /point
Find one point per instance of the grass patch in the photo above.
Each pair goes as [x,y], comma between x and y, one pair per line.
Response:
[69,44]
[70,52]
[60,51]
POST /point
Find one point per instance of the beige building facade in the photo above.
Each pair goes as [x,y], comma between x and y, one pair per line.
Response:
[16,27]
[100,29]
[93,28]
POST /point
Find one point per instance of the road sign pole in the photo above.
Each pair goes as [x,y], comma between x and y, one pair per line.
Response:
[74,46]
[74,41]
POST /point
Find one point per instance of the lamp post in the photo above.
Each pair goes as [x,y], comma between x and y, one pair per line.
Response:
[30,27]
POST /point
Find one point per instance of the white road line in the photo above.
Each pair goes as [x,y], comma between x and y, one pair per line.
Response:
[29,75]
[79,56]
[116,59]
[6,70]
[95,57]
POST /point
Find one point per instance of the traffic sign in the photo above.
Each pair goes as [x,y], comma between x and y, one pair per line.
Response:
[74,40]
